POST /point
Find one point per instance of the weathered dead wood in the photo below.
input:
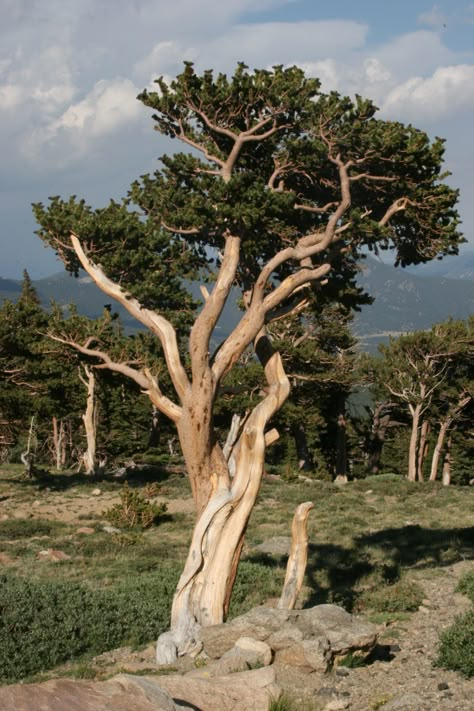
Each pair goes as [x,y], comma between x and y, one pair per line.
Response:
[296,566]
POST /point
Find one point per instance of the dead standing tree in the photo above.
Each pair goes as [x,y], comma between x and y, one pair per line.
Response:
[283,185]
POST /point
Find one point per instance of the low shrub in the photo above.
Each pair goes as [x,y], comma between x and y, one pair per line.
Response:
[135,509]
[44,624]
[401,596]
[456,650]
[466,585]
[14,528]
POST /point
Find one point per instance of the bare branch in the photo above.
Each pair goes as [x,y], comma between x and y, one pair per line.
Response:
[157,324]
[207,319]
[180,230]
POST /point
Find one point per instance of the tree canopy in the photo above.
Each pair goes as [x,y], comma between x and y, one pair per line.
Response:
[279,191]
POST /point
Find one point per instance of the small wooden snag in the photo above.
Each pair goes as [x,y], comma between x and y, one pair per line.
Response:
[296,566]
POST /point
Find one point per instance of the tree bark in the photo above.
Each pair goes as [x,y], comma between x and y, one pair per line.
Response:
[377,439]
[447,464]
[413,447]
[438,448]
[422,449]
[296,566]
[305,462]
[89,418]
[204,588]
[58,442]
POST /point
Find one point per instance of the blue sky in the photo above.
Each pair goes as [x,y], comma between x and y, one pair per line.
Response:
[70,71]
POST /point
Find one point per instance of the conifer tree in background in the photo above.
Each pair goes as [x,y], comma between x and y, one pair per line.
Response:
[430,373]
[283,188]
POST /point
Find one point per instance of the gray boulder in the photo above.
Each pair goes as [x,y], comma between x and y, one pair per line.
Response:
[316,638]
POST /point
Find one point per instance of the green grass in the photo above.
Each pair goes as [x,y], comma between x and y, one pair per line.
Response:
[370,541]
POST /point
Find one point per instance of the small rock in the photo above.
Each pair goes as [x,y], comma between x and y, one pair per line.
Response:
[442,686]
[223,667]
[337,705]
[279,545]
[395,648]
[36,503]
[111,529]
[342,671]
[86,530]
[424,609]
[252,651]
[96,492]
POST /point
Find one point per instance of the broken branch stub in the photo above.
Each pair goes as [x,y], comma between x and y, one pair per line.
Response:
[296,566]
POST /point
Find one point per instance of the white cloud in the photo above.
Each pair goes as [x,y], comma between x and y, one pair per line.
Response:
[433,18]
[109,106]
[449,91]
[375,71]
[46,78]
[165,59]
[10,96]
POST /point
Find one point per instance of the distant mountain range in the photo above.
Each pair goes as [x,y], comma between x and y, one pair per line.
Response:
[405,299]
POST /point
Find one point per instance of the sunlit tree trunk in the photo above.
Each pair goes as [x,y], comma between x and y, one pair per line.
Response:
[438,448]
[423,448]
[203,593]
[90,422]
[413,446]
[58,443]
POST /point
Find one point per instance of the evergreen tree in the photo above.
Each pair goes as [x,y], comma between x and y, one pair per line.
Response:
[284,187]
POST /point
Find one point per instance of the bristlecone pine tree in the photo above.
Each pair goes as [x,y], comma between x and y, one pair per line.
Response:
[282,187]
[429,371]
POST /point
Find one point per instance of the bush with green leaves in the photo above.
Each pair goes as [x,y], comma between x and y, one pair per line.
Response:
[400,596]
[466,585]
[44,624]
[456,650]
[135,509]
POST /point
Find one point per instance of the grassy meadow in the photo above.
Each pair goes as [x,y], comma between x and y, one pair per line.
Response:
[369,540]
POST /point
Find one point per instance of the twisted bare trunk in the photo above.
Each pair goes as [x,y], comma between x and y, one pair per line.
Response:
[203,592]
[89,418]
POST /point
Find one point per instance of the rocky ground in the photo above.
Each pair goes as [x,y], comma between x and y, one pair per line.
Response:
[402,677]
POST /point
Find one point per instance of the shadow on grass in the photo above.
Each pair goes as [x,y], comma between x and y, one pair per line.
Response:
[62,481]
[333,571]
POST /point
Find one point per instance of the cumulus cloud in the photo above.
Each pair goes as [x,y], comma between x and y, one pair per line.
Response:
[449,91]
[109,106]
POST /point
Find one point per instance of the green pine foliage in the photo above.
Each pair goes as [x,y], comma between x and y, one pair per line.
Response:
[135,510]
